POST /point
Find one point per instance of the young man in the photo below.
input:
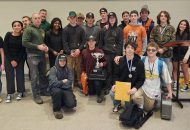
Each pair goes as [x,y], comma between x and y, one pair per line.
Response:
[155,69]
[146,22]
[33,40]
[104,18]
[88,64]
[26,20]
[111,42]
[129,69]
[162,34]
[80,19]
[89,27]
[125,21]
[73,44]
[45,25]
[60,86]
[134,32]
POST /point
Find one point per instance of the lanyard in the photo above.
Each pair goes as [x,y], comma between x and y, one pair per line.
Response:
[129,66]
[151,69]
[162,30]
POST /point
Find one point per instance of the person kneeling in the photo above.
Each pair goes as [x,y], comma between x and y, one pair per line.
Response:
[60,86]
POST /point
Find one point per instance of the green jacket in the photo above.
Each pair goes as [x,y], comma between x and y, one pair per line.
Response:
[45,25]
[168,35]
[31,38]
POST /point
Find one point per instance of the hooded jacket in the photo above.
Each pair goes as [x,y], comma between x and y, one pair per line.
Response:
[57,74]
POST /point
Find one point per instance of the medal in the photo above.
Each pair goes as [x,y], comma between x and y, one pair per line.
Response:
[130,68]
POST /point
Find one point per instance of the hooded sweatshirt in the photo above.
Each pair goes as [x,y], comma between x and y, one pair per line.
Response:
[58,74]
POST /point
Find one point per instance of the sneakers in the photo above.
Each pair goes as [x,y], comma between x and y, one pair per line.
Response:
[38,100]
[8,98]
[19,96]
[185,88]
[117,108]
[58,114]
[175,86]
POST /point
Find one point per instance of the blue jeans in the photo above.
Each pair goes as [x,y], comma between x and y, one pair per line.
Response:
[37,66]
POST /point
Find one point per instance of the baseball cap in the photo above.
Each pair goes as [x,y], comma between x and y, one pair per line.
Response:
[145,8]
[72,14]
[91,38]
[89,15]
[111,14]
[80,15]
[103,10]
[62,57]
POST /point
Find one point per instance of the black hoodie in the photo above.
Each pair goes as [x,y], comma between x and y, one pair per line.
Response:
[121,72]
[57,74]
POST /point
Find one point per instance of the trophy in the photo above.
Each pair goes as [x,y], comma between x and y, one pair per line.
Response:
[97,72]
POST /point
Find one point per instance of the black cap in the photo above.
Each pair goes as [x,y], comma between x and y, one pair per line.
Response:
[89,15]
[91,38]
[62,57]
[112,14]
[103,10]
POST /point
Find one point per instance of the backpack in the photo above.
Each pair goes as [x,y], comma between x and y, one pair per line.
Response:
[132,116]
[160,64]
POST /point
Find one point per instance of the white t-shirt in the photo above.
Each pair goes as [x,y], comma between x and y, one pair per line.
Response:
[152,82]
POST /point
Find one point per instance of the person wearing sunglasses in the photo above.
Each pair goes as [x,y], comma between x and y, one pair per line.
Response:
[155,70]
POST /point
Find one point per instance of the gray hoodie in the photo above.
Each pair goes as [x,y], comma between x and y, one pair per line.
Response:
[58,74]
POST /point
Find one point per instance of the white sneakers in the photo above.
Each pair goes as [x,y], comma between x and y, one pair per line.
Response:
[9,97]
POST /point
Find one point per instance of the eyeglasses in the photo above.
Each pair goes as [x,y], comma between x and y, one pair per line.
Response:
[153,50]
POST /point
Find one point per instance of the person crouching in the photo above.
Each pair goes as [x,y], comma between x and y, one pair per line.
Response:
[60,86]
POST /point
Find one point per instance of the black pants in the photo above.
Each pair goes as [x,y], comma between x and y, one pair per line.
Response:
[10,77]
[95,87]
[110,59]
[62,97]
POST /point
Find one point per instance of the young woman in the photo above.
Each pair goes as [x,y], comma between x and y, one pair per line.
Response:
[53,40]
[14,61]
[182,33]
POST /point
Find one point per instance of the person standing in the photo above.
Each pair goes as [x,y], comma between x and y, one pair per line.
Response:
[45,25]
[26,20]
[126,19]
[2,63]
[111,42]
[53,39]
[73,44]
[162,34]
[14,61]
[146,22]
[104,18]
[183,33]
[33,40]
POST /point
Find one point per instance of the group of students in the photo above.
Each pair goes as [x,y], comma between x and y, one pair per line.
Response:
[70,53]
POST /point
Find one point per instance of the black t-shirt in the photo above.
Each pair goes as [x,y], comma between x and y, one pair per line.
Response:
[1,46]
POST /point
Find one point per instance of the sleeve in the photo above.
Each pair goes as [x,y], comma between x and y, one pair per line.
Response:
[65,42]
[1,42]
[6,46]
[83,62]
[70,79]
[47,41]
[165,74]
[152,35]
[26,39]
[21,54]
[140,75]
[116,71]
[144,40]
[83,39]
[101,38]
[120,41]
[53,81]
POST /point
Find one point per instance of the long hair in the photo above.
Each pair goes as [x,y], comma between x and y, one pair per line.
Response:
[186,29]
[167,16]
[55,20]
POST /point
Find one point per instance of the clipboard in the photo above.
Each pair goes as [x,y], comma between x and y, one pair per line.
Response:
[121,89]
